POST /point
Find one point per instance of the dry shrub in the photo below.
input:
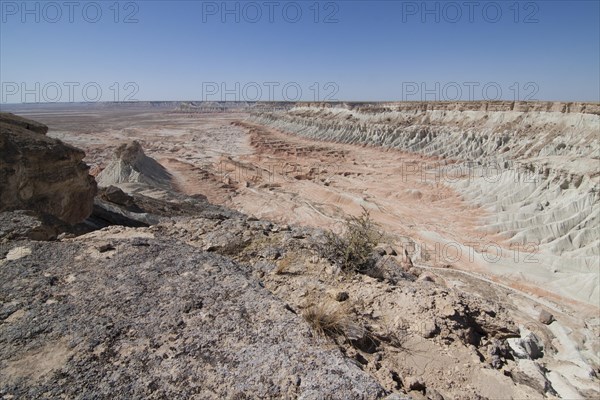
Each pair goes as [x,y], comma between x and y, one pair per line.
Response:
[329,319]
[283,266]
[354,250]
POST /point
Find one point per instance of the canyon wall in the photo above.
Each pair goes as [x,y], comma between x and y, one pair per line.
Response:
[533,165]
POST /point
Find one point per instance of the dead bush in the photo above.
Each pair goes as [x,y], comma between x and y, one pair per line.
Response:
[353,251]
[329,319]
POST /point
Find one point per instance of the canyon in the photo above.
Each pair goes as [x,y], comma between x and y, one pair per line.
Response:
[489,256]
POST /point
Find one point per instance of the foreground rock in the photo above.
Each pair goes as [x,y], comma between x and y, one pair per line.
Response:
[216,306]
[23,224]
[28,124]
[42,174]
[145,317]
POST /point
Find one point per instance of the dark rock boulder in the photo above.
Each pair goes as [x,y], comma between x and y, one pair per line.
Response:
[27,224]
[41,173]
[25,123]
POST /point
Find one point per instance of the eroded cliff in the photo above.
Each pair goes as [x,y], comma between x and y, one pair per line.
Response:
[41,173]
[533,165]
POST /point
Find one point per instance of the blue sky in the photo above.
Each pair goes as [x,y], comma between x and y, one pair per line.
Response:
[334,50]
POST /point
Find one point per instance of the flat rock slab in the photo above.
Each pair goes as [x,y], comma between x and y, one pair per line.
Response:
[156,319]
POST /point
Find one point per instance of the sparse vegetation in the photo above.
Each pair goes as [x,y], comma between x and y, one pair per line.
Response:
[329,319]
[283,266]
[335,321]
[353,251]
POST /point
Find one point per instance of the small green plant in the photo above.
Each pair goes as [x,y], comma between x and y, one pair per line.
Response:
[353,251]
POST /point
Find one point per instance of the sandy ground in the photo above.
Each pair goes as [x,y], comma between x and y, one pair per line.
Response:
[288,179]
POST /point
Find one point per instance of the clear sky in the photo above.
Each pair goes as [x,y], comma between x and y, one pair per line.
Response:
[275,50]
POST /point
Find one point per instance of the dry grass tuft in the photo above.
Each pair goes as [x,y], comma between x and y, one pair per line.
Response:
[329,319]
[283,266]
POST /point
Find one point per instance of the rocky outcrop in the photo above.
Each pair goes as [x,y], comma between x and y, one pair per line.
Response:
[28,124]
[130,316]
[27,224]
[217,305]
[41,173]
[131,165]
